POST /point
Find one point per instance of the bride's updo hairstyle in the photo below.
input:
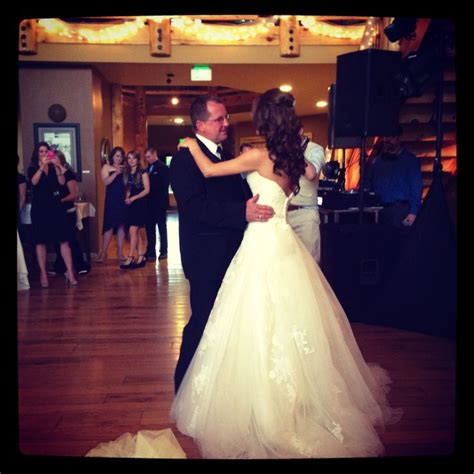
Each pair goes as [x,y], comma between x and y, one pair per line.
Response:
[274,117]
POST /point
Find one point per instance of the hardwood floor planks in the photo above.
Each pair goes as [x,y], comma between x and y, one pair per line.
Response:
[97,360]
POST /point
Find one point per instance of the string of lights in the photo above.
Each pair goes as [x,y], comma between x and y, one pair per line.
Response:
[53,30]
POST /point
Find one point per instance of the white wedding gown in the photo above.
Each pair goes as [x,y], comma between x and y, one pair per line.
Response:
[278,373]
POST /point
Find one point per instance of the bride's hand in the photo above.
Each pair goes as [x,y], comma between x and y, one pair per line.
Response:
[187,143]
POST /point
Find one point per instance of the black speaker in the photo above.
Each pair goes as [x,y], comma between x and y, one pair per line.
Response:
[356,261]
[335,141]
[368,98]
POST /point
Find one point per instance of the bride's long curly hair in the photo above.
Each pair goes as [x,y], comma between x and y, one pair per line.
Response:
[274,117]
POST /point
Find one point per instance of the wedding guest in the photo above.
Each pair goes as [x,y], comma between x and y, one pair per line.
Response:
[137,187]
[303,213]
[69,193]
[395,177]
[48,217]
[114,208]
[22,270]
[24,194]
[159,176]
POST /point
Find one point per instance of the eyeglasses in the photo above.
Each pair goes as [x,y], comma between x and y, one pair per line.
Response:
[219,119]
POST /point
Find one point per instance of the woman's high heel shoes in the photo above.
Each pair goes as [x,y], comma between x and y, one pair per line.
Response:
[130,264]
[140,262]
[70,279]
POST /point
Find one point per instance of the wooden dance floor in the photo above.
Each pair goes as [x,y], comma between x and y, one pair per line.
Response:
[97,361]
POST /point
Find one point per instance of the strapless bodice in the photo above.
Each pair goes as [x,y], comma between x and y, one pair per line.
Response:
[271,194]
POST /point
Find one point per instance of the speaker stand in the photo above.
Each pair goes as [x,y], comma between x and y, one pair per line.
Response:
[341,178]
[361,179]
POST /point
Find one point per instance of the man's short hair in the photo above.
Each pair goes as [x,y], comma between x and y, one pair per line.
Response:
[199,108]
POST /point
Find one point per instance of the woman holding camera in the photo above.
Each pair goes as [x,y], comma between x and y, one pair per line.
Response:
[114,206]
[137,187]
[48,217]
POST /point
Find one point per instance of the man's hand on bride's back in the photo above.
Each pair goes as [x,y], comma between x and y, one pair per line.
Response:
[258,212]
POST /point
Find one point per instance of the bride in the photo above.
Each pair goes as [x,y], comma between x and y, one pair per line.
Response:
[278,373]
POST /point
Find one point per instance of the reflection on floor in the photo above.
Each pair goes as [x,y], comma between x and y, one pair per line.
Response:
[97,360]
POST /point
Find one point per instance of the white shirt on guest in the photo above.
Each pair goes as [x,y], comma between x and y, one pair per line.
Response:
[308,194]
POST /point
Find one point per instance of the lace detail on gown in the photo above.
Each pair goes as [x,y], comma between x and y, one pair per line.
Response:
[300,338]
[143,444]
[278,373]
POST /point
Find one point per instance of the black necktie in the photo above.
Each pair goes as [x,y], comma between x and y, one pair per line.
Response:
[220,151]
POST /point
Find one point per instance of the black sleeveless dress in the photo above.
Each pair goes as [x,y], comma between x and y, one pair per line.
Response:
[115,208]
[48,216]
[137,211]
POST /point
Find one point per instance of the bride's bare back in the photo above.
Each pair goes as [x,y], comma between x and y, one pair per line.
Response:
[256,159]
[266,170]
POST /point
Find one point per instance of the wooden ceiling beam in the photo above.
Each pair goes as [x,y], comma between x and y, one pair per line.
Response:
[183,108]
[180,91]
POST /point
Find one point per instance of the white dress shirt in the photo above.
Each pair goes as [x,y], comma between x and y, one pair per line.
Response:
[212,147]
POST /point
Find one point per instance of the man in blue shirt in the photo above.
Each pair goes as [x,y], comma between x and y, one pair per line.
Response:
[395,177]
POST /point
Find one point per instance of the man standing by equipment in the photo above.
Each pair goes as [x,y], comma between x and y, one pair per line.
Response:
[303,214]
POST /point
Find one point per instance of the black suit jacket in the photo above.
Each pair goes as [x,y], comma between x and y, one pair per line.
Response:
[211,216]
[159,182]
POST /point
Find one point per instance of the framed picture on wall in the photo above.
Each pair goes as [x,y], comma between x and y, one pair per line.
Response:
[64,137]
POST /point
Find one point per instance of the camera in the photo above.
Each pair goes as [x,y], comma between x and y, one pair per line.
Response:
[50,155]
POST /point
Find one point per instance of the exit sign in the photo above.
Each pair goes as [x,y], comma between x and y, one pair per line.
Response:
[201,72]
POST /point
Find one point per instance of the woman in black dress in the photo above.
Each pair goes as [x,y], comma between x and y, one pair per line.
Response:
[137,184]
[114,207]
[68,194]
[48,217]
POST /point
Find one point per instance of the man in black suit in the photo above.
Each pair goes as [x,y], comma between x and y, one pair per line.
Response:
[213,214]
[157,204]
